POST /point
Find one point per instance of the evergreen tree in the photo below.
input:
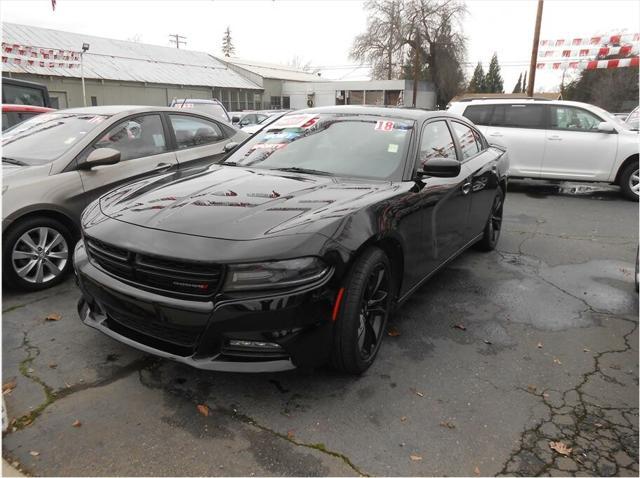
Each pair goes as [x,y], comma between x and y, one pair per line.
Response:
[227,46]
[524,83]
[518,87]
[493,79]
[477,83]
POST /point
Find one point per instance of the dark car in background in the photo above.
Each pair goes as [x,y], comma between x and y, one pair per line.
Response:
[295,250]
[55,164]
[22,92]
[16,114]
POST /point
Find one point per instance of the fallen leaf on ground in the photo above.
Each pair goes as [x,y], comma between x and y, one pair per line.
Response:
[415,458]
[487,342]
[30,370]
[393,332]
[77,424]
[539,345]
[53,365]
[615,366]
[557,360]
[403,419]
[53,317]
[9,386]
[545,395]
[531,388]
[459,327]
[34,453]
[586,350]
[203,409]
[447,425]
[420,394]
[290,434]
[476,470]
[560,447]
[599,425]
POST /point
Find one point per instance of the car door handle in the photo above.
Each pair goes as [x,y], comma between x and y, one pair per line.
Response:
[466,188]
[496,135]
[555,137]
[163,166]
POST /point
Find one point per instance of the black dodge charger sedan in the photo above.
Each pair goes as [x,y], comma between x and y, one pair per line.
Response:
[295,250]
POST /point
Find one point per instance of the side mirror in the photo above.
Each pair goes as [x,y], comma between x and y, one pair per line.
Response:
[230,146]
[235,119]
[440,168]
[605,127]
[101,157]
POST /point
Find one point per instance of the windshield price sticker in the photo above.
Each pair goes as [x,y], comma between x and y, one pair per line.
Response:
[384,126]
[295,121]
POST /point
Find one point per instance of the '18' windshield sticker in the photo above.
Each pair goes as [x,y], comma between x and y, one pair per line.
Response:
[384,126]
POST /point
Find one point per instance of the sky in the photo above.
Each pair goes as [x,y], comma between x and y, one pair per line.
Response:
[322,32]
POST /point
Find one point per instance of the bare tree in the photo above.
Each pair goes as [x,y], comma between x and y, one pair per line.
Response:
[299,63]
[430,29]
[381,45]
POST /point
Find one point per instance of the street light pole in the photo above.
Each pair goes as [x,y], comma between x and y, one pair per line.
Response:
[85,47]
[534,50]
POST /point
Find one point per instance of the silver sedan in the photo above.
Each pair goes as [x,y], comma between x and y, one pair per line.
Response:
[55,164]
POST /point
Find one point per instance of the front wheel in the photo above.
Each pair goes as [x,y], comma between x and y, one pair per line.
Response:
[493,226]
[630,181]
[363,315]
[36,254]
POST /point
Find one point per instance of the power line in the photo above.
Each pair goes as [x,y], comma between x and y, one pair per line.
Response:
[177,39]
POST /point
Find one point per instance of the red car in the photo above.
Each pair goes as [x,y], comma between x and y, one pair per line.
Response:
[14,114]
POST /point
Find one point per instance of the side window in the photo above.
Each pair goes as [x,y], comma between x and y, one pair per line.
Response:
[436,142]
[518,116]
[468,140]
[248,120]
[569,118]
[135,137]
[191,131]
[479,114]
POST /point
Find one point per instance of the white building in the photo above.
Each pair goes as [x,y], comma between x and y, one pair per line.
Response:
[364,92]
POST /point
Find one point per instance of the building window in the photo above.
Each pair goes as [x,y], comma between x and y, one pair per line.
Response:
[355,98]
[94,101]
[286,102]
[275,103]
[55,102]
[374,98]
[257,99]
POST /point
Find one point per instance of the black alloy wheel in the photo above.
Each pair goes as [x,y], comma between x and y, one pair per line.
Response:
[362,318]
[493,227]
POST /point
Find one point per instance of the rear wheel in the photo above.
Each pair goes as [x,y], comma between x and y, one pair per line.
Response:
[364,312]
[36,254]
[630,181]
[493,227]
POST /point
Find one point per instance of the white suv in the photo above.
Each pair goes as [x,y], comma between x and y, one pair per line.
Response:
[559,140]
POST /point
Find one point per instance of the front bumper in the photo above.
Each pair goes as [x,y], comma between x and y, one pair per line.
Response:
[295,326]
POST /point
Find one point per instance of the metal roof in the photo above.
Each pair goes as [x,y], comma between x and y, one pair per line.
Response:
[272,70]
[124,60]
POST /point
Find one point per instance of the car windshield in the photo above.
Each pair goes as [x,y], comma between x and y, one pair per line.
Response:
[332,144]
[46,137]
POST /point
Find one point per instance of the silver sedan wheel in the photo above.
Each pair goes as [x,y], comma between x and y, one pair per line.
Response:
[634,182]
[40,255]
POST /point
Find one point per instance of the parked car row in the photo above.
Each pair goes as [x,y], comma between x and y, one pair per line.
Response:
[559,140]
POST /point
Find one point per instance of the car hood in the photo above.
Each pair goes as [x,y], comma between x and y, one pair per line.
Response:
[241,204]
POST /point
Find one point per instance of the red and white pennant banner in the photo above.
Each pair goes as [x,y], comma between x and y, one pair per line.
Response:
[36,56]
[592,65]
[625,50]
[597,40]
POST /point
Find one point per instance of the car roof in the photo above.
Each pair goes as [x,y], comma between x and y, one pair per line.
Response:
[196,100]
[389,112]
[117,109]
[500,101]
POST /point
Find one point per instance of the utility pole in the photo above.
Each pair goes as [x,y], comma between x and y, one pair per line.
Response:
[416,68]
[534,50]
[177,39]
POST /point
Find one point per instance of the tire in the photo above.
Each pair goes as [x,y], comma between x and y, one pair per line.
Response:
[360,327]
[629,180]
[493,226]
[28,268]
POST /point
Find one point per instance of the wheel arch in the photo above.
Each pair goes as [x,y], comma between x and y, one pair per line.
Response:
[392,247]
[625,163]
[45,212]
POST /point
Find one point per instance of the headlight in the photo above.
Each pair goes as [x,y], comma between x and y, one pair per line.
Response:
[273,275]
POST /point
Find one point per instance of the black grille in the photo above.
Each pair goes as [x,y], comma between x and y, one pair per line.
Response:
[183,279]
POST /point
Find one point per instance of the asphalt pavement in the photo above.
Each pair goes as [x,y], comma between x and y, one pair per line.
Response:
[522,361]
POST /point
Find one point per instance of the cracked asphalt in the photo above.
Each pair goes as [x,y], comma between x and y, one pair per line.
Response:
[549,353]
